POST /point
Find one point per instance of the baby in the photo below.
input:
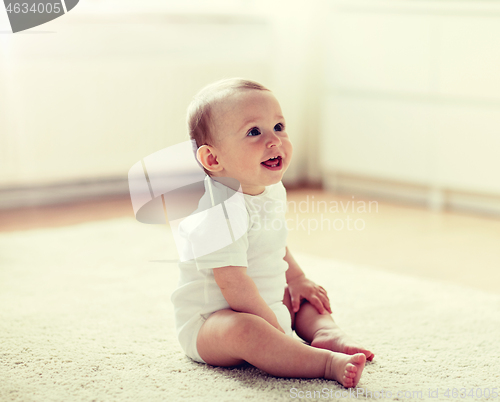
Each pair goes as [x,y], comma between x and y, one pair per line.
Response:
[242,301]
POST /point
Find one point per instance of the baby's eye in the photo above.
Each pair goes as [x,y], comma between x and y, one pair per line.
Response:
[279,127]
[253,132]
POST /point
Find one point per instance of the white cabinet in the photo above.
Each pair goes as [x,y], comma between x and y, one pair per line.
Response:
[413,94]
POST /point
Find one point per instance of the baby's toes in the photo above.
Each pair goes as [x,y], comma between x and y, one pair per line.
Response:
[351,370]
[347,382]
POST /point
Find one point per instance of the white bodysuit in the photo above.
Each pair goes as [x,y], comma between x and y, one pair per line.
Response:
[261,249]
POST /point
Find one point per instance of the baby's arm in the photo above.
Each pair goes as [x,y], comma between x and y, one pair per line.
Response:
[300,288]
[242,295]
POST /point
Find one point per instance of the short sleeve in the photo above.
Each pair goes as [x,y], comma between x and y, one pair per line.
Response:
[234,254]
[216,237]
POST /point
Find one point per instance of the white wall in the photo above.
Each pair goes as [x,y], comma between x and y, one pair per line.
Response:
[406,91]
[91,93]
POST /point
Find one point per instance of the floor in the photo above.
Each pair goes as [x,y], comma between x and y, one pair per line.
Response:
[458,248]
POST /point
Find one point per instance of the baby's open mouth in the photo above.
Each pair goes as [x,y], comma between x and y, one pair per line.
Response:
[272,162]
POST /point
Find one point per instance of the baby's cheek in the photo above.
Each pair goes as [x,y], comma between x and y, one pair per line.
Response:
[289,154]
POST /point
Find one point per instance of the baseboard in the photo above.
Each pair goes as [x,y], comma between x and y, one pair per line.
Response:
[84,190]
[438,199]
[340,183]
[62,193]
[484,204]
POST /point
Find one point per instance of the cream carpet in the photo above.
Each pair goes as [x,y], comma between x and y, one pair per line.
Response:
[85,315]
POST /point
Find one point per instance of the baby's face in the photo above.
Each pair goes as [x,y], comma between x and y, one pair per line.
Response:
[250,130]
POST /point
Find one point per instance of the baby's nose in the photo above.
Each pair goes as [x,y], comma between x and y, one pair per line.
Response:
[274,140]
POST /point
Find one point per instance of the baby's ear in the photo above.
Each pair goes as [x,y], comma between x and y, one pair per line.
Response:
[207,156]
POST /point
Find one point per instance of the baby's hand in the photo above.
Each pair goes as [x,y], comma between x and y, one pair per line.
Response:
[302,288]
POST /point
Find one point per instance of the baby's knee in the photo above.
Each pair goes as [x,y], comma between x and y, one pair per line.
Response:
[240,326]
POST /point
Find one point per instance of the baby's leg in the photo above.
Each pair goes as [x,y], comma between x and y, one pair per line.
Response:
[321,331]
[228,338]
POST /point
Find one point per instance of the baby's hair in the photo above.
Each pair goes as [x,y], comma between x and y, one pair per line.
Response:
[199,112]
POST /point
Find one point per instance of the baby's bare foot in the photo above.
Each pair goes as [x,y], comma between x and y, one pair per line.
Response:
[337,341]
[345,369]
